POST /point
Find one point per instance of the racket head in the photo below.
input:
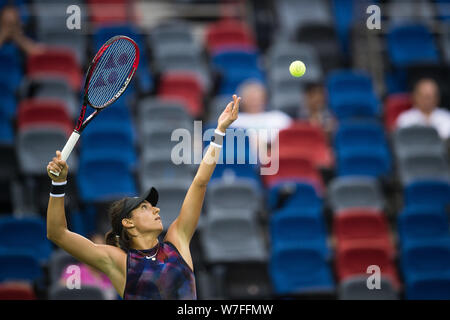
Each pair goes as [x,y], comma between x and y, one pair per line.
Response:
[111,71]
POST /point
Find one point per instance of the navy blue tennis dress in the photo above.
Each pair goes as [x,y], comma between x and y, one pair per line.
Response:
[167,277]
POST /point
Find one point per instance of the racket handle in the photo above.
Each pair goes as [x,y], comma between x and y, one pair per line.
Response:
[70,144]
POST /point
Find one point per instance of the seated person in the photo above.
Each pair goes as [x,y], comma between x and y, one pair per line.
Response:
[425,109]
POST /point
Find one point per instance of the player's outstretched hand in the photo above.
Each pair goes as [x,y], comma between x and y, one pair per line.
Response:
[230,114]
[58,165]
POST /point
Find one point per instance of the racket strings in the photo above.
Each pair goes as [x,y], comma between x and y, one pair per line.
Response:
[111,72]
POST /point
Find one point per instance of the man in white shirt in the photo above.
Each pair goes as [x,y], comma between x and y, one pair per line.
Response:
[425,111]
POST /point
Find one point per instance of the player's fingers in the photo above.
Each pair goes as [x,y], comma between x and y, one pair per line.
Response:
[58,154]
[54,167]
[236,109]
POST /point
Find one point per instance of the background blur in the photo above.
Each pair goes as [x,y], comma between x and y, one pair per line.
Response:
[353,190]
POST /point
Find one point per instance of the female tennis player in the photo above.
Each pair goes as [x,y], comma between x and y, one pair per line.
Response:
[136,262]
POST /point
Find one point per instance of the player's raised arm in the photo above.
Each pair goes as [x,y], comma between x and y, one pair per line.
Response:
[183,228]
[98,256]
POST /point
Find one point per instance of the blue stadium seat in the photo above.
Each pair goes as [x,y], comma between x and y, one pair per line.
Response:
[104,179]
[293,226]
[6,130]
[297,270]
[425,260]
[432,288]
[19,266]
[422,224]
[356,162]
[427,193]
[411,43]
[8,102]
[11,72]
[102,34]
[302,196]
[351,94]
[12,231]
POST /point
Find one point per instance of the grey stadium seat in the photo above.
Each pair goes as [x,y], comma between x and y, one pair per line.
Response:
[36,146]
[351,192]
[58,262]
[232,237]
[417,140]
[58,292]
[423,166]
[293,13]
[156,167]
[400,11]
[171,32]
[76,42]
[355,288]
[241,194]
[446,42]
[217,106]
[290,103]
[59,90]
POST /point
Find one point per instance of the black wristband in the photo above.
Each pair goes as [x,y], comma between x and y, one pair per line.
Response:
[58,189]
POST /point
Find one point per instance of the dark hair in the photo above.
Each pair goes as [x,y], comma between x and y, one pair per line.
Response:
[118,235]
[312,85]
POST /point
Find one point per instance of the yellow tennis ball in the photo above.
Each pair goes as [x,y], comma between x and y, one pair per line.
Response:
[297,68]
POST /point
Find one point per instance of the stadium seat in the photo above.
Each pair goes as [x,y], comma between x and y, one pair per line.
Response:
[411,43]
[288,102]
[57,264]
[297,270]
[229,33]
[301,196]
[293,226]
[6,130]
[422,224]
[306,140]
[446,42]
[58,292]
[115,114]
[425,260]
[423,167]
[170,32]
[416,140]
[156,167]
[36,146]
[231,237]
[58,62]
[19,266]
[247,281]
[102,179]
[355,192]
[355,288]
[295,169]
[403,12]
[36,243]
[186,88]
[10,66]
[242,194]
[361,227]
[394,105]
[44,113]
[322,36]
[104,12]
[292,14]
[76,42]
[351,95]
[427,193]
[361,163]
[432,288]
[17,291]
[354,260]
[8,103]
[157,141]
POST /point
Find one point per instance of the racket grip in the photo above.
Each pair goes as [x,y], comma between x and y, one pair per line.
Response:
[67,150]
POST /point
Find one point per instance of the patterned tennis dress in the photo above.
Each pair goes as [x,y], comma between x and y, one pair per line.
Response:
[166,277]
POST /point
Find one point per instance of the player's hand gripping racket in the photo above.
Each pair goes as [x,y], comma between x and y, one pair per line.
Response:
[109,74]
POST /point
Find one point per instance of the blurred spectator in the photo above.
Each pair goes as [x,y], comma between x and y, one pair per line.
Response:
[91,277]
[253,114]
[316,108]
[425,109]
[11,31]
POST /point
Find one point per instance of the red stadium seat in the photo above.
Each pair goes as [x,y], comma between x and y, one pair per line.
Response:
[295,168]
[229,33]
[186,88]
[362,227]
[44,112]
[104,12]
[56,61]
[394,105]
[16,291]
[303,139]
[354,260]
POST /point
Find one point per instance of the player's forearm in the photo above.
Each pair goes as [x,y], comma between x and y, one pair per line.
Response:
[207,165]
[56,218]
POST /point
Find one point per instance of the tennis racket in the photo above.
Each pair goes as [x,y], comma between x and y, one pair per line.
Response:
[108,75]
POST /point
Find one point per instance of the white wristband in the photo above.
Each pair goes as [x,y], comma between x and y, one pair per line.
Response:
[57,195]
[219,132]
[59,183]
[216,145]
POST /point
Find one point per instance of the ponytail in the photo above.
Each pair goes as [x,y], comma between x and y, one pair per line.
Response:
[117,236]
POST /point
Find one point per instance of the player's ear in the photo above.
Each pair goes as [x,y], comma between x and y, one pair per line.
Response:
[127,223]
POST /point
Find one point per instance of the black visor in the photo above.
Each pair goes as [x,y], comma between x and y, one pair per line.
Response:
[132,203]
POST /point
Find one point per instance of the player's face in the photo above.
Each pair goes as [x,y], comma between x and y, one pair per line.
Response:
[146,217]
